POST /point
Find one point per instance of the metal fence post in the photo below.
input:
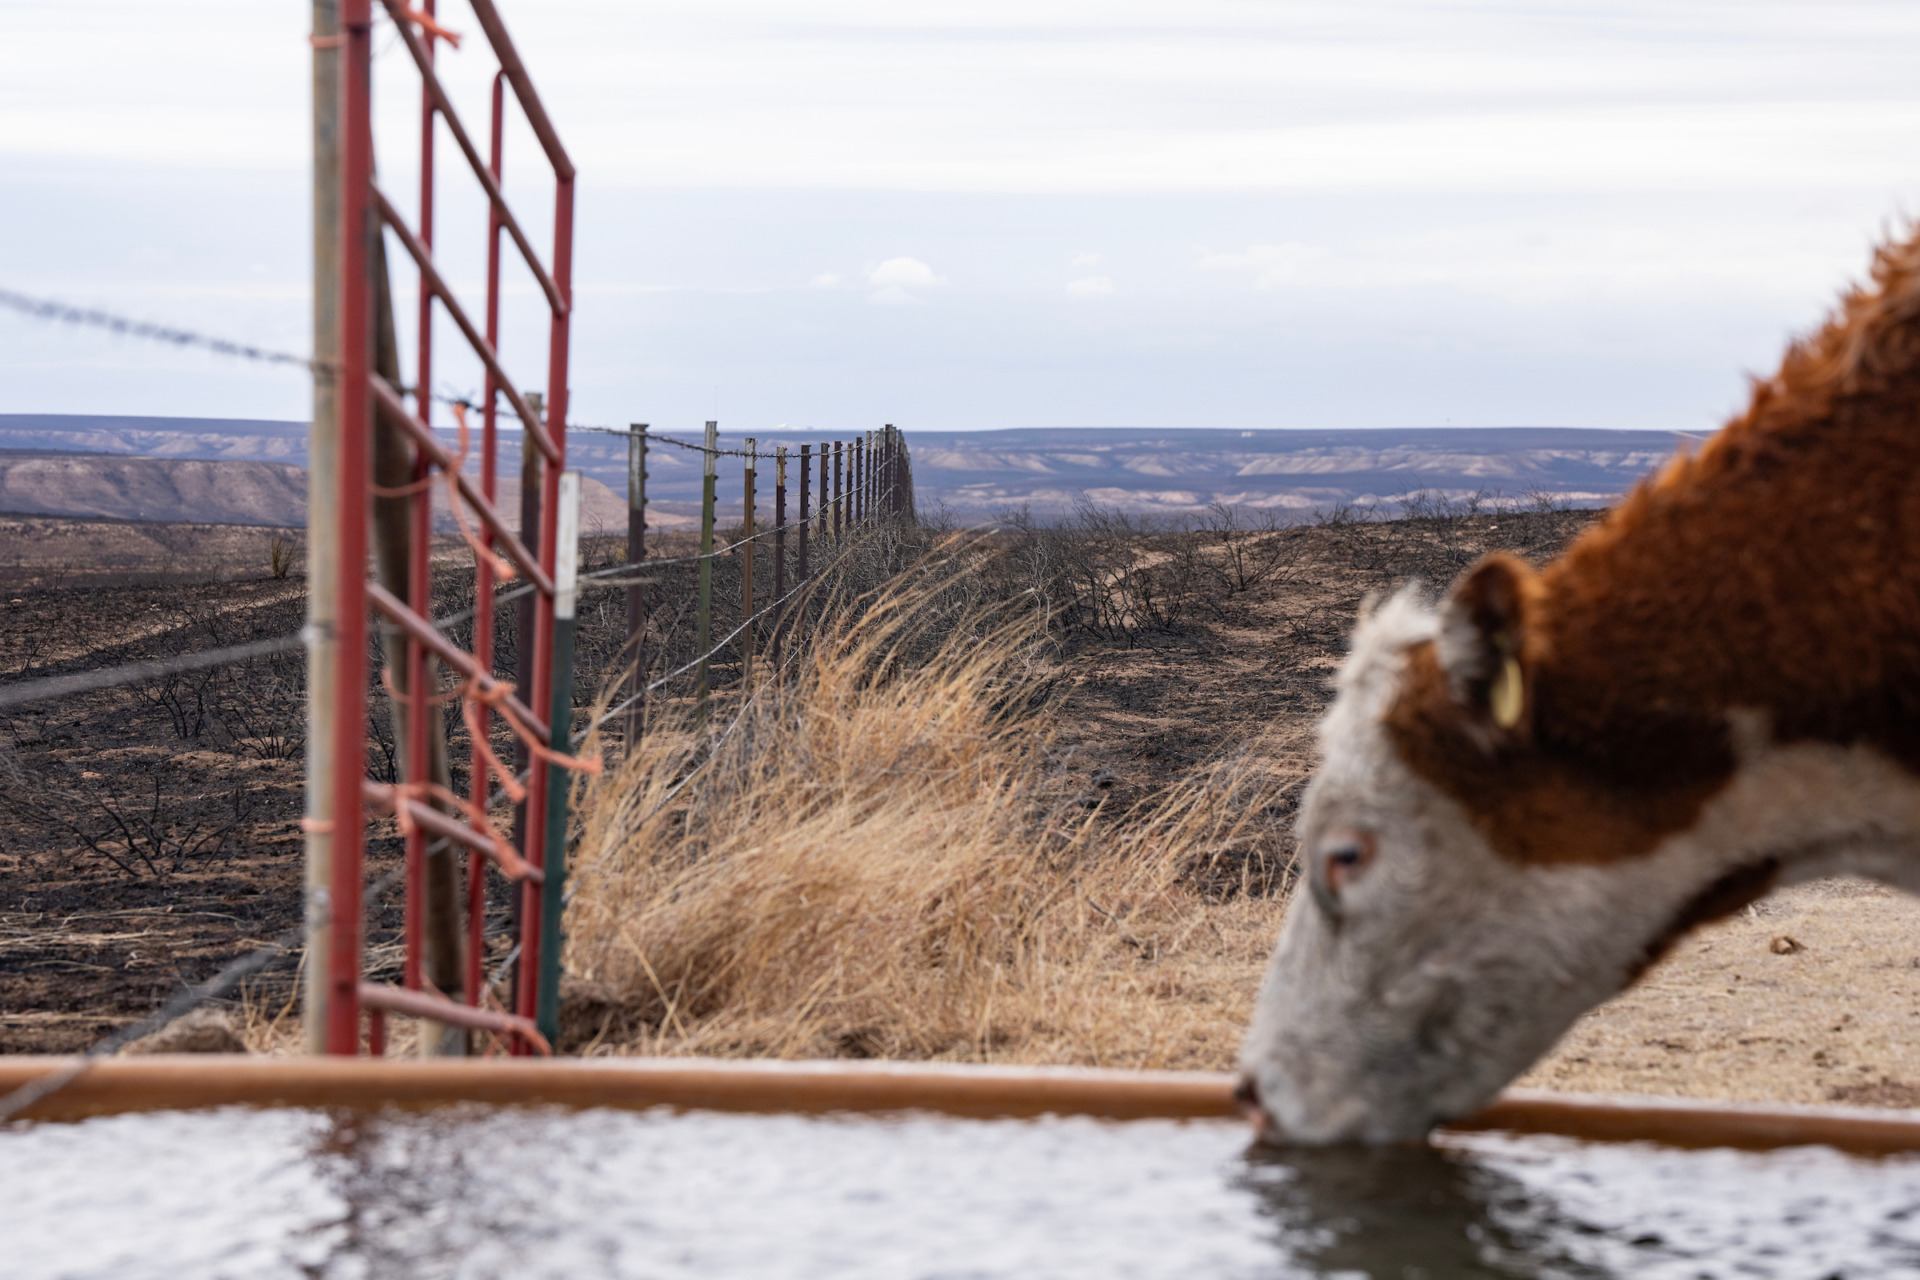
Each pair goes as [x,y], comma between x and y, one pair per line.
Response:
[354,406]
[747,637]
[323,519]
[566,569]
[703,606]
[779,548]
[530,465]
[806,479]
[636,593]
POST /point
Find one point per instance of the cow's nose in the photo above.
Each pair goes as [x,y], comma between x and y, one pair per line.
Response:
[1246,1096]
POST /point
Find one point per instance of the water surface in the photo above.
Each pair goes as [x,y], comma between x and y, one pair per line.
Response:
[537,1192]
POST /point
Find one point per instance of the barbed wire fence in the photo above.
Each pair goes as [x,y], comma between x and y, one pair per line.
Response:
[661,645]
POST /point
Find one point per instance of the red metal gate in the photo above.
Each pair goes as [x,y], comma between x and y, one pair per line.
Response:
[365,397]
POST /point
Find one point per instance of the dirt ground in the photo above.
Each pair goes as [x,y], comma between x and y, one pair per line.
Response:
[147,834]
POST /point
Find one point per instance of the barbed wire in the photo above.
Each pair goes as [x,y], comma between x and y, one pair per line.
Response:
[230,975]
[54,310]
[144,669]
[606,577]
[52,687]
[47,687]
[723,641]
[759,454]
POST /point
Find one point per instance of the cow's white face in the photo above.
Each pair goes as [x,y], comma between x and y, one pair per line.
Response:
[1418,972]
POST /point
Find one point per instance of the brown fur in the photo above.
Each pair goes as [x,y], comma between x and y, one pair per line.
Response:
[1777,570]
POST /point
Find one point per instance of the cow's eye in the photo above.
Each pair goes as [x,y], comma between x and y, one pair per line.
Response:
[1338,860]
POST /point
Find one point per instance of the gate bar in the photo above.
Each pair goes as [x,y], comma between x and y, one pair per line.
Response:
[417,47]
[422,255]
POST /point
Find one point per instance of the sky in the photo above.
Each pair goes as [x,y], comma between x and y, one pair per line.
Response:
[837,213]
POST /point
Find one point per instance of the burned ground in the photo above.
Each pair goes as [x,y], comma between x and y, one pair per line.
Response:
[148,833]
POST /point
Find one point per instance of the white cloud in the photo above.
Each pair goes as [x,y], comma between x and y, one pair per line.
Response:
[1091,287]
[904,273]
[1084,260]
[825,280]
[1269,266]
[895,282]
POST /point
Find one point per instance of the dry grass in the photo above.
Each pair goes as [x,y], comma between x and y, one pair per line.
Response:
[884,858]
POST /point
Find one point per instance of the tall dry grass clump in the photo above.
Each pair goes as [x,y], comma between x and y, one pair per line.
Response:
[883,856]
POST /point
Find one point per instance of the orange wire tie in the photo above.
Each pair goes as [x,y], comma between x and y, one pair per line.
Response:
[496,1042]
[519,1028]
[512,865]
[503,568]
[440,699]
[402,490]
[420,18]
[496,697]
[470,710]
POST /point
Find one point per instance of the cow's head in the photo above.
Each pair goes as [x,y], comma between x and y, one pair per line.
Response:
[1426,965]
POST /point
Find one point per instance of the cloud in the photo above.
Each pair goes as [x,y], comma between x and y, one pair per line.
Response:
[1091,287]
[825,280]
[895,281]
[1084,260]
[904,273]
[1270,266]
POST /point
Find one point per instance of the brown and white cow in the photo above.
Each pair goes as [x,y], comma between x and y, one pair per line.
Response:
[1527,793]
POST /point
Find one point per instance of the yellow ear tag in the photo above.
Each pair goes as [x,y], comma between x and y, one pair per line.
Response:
[1508,697]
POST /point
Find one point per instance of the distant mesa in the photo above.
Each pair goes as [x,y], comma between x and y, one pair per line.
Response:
[251,471]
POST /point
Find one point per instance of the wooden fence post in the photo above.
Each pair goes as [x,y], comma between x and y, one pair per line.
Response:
[823,509]
[703,605]
[636,594]
[890,476]
[779,549]
[857,497]
[839,524]
[747,637]
[806,479]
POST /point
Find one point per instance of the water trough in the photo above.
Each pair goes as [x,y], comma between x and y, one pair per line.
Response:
[321,1166]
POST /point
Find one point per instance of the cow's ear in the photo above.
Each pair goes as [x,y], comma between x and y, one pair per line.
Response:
[1484,646]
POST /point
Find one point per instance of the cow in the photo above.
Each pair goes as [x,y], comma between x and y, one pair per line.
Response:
[1529,790]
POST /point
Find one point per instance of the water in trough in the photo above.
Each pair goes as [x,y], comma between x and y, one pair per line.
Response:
[539,1192]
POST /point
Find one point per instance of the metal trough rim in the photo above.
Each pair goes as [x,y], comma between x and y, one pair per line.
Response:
[115,1085]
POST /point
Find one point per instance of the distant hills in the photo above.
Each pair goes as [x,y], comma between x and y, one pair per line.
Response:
[250,471]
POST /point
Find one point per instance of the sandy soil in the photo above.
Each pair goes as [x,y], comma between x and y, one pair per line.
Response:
[1812,995]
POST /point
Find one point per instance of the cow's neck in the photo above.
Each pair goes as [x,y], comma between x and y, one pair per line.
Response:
[1732,651]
